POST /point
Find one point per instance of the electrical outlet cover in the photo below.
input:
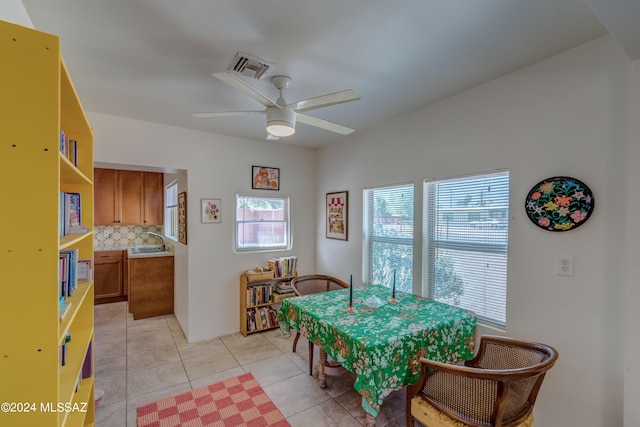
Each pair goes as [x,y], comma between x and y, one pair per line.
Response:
[564,266]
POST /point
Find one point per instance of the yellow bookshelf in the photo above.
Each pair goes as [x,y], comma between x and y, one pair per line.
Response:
[38,101]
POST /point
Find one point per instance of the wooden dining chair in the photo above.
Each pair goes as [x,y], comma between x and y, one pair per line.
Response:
[313,284]
[497,388]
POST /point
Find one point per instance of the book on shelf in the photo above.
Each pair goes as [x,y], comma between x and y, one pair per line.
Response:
[273,317]
[251,320]
[63,349]
[63,142]
[284,266]
[87,366]
[264,317]
[259,293]
[68,268]
[71,214]
[69,148]
[261,318]
[78,229]
[64,308]
[72,154]
[258,317]
[85,270]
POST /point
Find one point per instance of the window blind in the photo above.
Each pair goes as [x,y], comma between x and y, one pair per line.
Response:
[171,210]
[388,236]
[466,242]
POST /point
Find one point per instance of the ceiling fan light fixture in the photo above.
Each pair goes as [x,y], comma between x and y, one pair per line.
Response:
[281,121]
[280,129]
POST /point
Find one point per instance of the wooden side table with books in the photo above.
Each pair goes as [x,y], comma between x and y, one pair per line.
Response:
[261,292]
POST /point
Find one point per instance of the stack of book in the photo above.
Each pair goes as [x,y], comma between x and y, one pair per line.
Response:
[284,287]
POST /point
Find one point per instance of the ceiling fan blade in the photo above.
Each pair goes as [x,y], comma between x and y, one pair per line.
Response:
[226,114]
[324,100]
[323,124]
[235,82]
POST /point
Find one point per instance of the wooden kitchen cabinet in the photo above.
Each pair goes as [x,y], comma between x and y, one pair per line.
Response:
[108,276]
[105,182]
[124,197]
[131,188]
[153,198]
[150,286]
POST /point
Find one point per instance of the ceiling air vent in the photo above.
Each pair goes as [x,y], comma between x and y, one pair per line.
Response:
[249,66]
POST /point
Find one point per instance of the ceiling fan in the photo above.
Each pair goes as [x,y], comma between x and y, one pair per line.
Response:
[282,117]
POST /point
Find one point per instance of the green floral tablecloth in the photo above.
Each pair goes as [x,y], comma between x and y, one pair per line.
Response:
[382,346]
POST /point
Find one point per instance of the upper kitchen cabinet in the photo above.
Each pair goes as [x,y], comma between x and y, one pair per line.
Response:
[153,198]
[105,182]
[124,197]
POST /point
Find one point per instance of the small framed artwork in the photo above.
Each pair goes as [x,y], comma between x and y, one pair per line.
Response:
[265,178]
[210,210]
[337,215]
[182,218]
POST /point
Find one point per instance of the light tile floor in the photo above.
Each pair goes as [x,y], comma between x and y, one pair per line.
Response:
[141,361]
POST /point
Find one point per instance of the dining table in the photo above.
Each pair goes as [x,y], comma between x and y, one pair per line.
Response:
[382,338]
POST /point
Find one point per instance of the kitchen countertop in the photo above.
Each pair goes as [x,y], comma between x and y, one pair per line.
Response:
[169,250]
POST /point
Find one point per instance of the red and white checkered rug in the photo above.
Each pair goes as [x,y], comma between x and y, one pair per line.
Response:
[237,401]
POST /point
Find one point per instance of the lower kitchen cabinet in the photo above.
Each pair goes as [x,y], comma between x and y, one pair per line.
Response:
[108,277]
[150,286]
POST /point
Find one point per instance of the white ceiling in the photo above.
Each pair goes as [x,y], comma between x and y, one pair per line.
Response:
[152,60]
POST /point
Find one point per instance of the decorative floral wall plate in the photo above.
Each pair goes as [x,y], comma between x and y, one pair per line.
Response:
[559,204]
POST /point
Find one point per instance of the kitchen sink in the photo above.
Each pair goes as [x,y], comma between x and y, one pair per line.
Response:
[146,250]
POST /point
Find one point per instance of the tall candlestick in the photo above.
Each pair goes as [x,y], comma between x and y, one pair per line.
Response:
[351,290]
[393,292]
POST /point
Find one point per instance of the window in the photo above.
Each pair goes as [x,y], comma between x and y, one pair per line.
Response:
[466,241]
[171,210]
[388,236]
[262,223]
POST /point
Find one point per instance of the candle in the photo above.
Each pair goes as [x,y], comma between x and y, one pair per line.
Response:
[393,292]
[351,290]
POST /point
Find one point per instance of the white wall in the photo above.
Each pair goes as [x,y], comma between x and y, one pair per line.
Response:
[632,250]
[14,11]
[207,300]
[558,117]
[181,258]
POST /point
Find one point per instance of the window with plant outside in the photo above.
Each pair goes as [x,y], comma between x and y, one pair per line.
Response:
[262,223]
[465,243]
[171,210]
[388,236]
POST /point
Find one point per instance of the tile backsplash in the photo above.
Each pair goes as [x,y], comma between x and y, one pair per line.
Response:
[123,235]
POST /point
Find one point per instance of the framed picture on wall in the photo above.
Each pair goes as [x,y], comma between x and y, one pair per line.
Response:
[337,215]
[265,178]
[182,217]
[210,210]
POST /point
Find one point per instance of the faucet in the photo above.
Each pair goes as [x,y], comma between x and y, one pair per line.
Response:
[161,237]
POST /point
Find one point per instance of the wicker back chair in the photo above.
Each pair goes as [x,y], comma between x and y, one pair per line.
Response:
[313,284]
[497,388]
